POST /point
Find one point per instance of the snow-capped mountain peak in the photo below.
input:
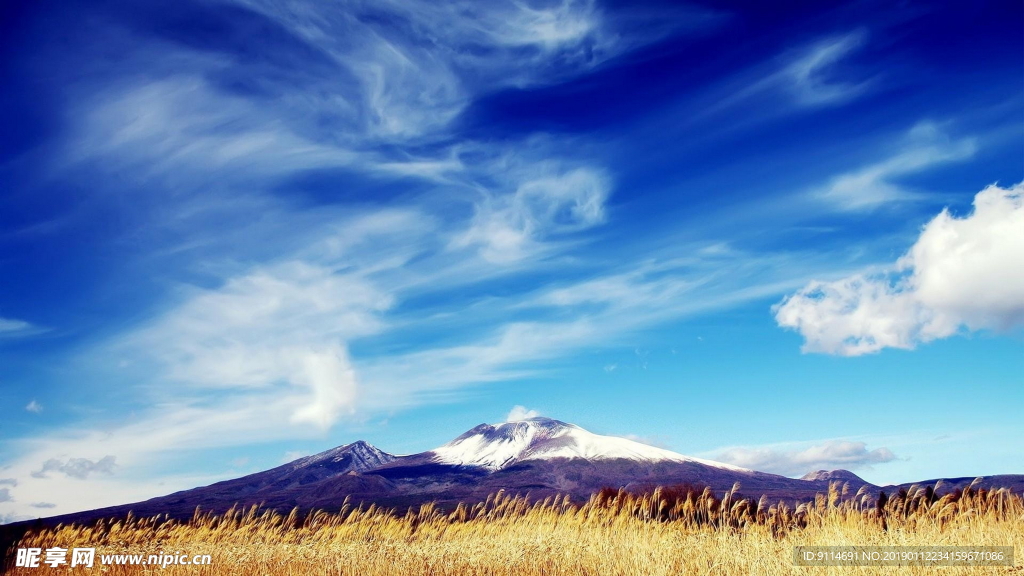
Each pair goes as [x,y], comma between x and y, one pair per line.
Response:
[500,445]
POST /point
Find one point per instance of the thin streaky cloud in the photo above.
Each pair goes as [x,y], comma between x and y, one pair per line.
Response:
[809,76]
[12,327]
[805,79]
[925,146]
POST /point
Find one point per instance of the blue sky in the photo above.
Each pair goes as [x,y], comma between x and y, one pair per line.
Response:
[232,233]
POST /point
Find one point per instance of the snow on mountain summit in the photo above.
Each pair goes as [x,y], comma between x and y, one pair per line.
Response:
[358,456]
[496,446]
[833,475]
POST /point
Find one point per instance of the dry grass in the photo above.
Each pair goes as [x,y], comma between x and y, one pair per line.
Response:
[665,532]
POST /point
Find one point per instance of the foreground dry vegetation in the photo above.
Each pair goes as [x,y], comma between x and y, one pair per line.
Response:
[664,532]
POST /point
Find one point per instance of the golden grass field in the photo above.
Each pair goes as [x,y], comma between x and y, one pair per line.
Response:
[665,532]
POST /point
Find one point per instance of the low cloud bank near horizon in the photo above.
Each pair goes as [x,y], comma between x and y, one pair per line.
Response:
[79,468]
[829,455]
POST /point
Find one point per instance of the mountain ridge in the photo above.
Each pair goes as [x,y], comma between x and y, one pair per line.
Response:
[538,457]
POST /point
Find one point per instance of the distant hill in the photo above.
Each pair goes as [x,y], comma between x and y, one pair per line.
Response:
[833,476]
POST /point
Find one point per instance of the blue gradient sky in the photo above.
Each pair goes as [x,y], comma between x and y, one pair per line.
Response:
[232,233]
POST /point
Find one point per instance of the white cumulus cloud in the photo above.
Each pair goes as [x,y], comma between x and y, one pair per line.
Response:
[961,274]
[520,413]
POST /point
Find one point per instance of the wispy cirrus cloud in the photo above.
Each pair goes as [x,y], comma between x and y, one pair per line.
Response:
[14,328]
[285,324]
[11,325]
[804,78]
[924,146]
[383,82]
[557,320]
[513,226]
[416,65]
[178,130]
[811,77]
